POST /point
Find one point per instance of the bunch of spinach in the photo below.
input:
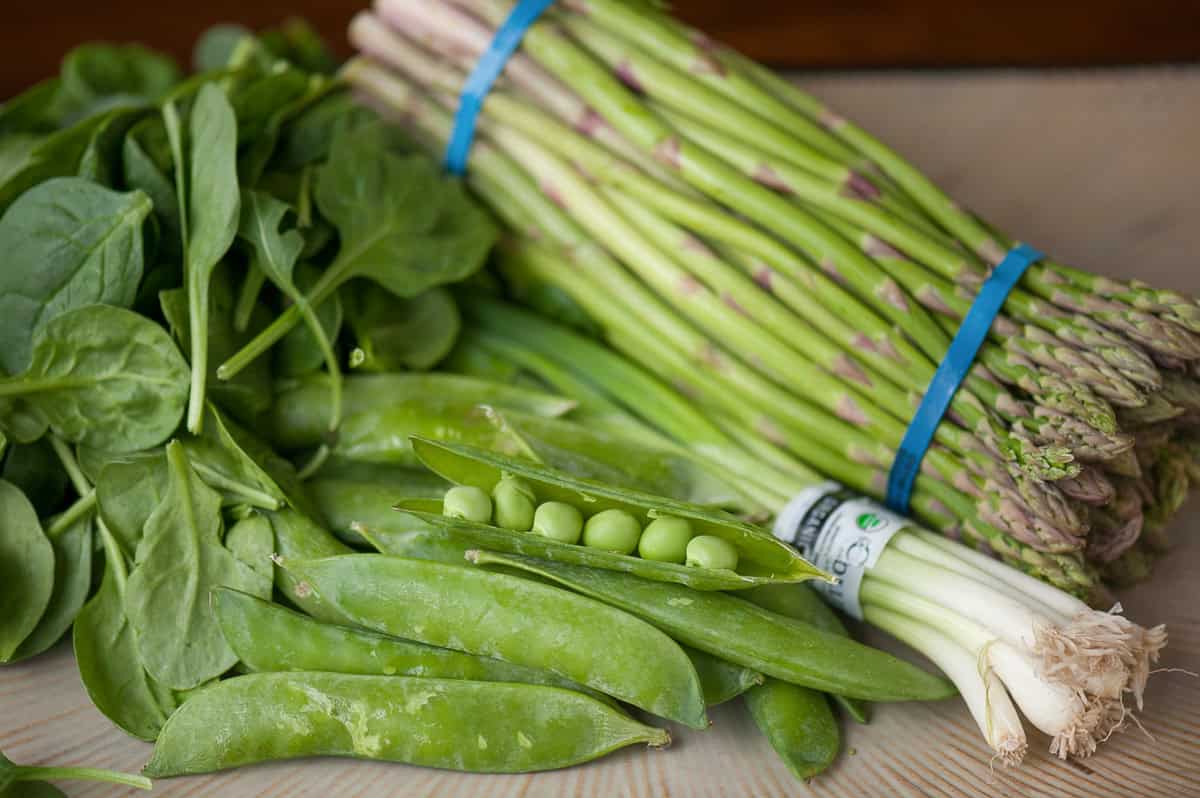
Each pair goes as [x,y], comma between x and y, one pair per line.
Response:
[155,226]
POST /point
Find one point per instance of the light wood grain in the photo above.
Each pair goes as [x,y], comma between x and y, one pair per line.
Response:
[1100,169]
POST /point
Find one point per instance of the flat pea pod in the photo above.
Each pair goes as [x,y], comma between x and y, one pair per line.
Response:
[483,727]
[764,558]
[743,633]
[802,603]
[298,537]
[268,638]
[498,539]
[300,417]
[348,504]
[721,680]
[383,434]
[798,723]
[513,619]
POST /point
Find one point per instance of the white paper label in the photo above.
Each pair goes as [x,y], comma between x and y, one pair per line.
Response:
[840,532]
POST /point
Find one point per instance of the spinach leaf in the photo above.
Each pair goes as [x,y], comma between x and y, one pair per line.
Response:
[280,470]
[216,46]
[20,421]
[145,163]
[252,541]
[104,377]
[275,254]
[296,41]
[15,150]
[393,334]
[304,348]
[179,559]
[36,110]
[222,463]
[36,471]
[72,583]
[32,789]
[97,77]
[26,570]
[107,656]
[250,394]
[127,492]
[262,107]
[210,185]
[399,222]
[67,243]
[56,155]
[307,139]
[101,159]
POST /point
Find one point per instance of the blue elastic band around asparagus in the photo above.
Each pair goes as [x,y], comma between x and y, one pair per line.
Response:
[506,41]
[953,369]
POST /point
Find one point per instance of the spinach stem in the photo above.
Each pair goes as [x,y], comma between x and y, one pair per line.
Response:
[81,774]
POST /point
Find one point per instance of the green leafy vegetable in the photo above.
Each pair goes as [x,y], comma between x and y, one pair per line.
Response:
[179,559]
[209,193]
[399,223]
[104,377]
[67,243]
[394,334]
[72,583]
[34,469]
[97,77]
[107,656]
[248,395]
[26,570]
[275,254]
[127,491]
[220,460]
[56,155]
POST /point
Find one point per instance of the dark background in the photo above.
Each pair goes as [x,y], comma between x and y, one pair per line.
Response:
[795,33]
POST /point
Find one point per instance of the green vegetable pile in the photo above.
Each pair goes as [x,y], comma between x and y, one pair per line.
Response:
[799,282]
[195,492]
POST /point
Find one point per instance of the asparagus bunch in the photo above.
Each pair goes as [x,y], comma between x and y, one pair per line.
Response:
[798,281]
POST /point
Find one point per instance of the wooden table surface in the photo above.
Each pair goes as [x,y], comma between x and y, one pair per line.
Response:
[1100,169]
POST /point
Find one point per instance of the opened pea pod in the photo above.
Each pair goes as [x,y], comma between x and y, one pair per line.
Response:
[679,542]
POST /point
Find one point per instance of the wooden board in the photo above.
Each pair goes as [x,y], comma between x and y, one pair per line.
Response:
[1100,169]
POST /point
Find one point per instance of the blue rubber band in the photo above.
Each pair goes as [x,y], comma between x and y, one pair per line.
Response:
[506,41]
[953,369]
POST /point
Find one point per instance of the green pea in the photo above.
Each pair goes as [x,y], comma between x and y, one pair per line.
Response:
[710,551]
[558,521]
[612,530]
[515,504]
[469,502]
[487,727]
[665,540]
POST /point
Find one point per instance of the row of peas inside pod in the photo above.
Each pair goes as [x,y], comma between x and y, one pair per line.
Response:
[513,505]
[521,507]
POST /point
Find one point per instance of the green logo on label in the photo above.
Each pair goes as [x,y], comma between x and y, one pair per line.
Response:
[868,521]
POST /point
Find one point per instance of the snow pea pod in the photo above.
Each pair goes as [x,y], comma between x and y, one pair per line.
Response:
[600,453]
[743,633]
[763,558]
[269,638]
[300,417]
[347,504]
[513,619]
[484,727]
[721,680]
[381,434]
[802,603]
[427,512]
[798,723]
